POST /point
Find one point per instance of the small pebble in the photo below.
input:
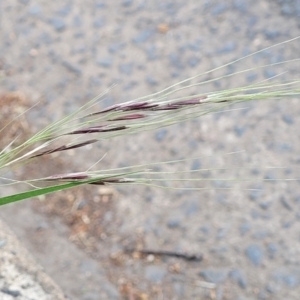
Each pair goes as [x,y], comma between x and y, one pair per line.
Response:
[271,34]
[239,276]
[272,249]
[143,36]
[193,61]
[190,208]
[155,273]
[286,203]
[244,228]
[174,222]
[13,293]
[58,24]
[268,73]
[105,62]
[227,48]
[288,119]
[151,52]
[196,165]
[214,275]
[161,135]
[99,23]
[35,10]
[176,61]
[255,254]
[127,3]
[219,9]
[126,68]
[151,80]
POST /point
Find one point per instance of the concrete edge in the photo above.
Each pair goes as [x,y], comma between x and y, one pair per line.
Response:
[20,275]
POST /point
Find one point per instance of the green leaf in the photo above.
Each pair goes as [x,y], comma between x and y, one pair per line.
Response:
[39,192]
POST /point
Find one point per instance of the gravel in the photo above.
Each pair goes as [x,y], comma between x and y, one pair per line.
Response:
[255,254]
[247,230]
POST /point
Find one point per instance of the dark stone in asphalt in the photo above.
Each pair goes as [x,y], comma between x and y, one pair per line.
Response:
[271,33]
[284,147]
[95,81]
[79,49]
[113,48]
[169,7]
[286,203]
[245,227]
[179,289]
[260,234]
[151,80]
[287,224]
[58,24]
[196,165]
[126,68]
[193,61]
[161,134]
[251,77]
[77,21]
[239,130]
[205,230]
[272,287]
[11,292]
[143,36]
[222,232]
[111,290]
[291,280]
[131,84]
[99,23]
[241,5]
[297,199]
[288,119]
[265,204]
[270,175]
[288,278]
[105,62]
[194,46]
[175,60]
[100,4]
[214,275]
[239,277]
[219,9]
[127,3]
[72,68]
[227,48]
[269,73]
[255,194]
[64,11]
[35,10]
[88,266]
[91,296]
[190,207]
[262,295]
[287,9]
[174,222]
[45,38]
[155,273]
[255,254]
[151,52]
[272,249]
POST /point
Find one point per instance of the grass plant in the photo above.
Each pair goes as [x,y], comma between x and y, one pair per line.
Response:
[89,125]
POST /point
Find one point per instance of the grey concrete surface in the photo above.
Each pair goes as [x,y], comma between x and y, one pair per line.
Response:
[20,276]
[63,53]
